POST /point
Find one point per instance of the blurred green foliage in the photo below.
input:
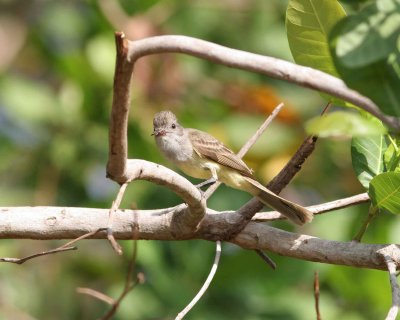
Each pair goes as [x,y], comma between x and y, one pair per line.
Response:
[56,70]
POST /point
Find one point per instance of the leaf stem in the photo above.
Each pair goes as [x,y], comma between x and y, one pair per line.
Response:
[371,215]
[395,159]
[393,142]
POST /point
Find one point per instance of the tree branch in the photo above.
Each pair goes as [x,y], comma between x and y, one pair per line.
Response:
[247,211]
[391,256]
[186,219]
[44,223]
[118,140]
[246,147]
[205,286]
[317,209]
[272,67]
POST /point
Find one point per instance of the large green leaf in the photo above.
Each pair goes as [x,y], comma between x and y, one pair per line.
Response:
[384,191]
[371,35]
[366,52]
[340,123]
[308,24]
[367,155]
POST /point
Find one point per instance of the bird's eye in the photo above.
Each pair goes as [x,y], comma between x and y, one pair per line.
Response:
[173,126]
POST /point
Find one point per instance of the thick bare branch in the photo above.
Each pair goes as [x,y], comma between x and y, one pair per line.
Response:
[299,246]
[118,140]
[185,220]
[272,67]
[66,223]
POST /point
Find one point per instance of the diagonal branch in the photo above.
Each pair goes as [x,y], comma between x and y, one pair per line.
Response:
[272,67]
[317,209]
[287,173]
[246,147]
[247,211]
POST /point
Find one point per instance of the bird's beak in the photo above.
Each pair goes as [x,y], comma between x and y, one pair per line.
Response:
[158,133]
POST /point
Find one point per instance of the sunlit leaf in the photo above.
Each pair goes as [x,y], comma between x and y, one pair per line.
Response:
[340,123]
[366,52]
[392,156]
[369,36]
[367,156]
[384,191]
[308,24]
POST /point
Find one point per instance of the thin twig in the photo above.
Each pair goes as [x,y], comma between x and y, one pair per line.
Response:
[205,285]
[371,215]
[96,294]
[316,295]
[250,142]
[317,209]
[389,255]
[84,236]
[115,206]
[129,283]
[32,256]
[266,258]
[64,247]
[246,147]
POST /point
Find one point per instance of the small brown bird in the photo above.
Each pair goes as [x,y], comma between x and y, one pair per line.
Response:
[202,156]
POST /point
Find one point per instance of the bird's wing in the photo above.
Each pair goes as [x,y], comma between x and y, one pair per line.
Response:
[209,147]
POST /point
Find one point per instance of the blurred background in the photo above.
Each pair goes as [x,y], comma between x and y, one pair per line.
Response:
[56,75]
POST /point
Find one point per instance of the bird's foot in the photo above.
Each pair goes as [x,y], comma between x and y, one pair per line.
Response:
[208,182]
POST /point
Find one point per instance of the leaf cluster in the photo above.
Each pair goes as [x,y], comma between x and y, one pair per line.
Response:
[363,49]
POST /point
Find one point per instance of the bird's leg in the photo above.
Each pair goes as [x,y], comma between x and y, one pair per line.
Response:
[206,183]
[212,180]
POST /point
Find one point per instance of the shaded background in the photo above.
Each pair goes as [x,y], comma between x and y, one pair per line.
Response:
[56,70]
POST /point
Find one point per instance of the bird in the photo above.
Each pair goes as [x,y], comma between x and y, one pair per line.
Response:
[200,155]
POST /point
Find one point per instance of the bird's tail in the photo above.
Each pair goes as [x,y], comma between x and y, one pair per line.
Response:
[291,210]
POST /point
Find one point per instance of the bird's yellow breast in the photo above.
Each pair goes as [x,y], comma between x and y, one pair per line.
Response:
[200,168]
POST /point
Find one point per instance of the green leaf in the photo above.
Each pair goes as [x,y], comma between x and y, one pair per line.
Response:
[340,123]
[308,24]
[392,156]
[371,35]
[367,156]
[366,52]
[384,191]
